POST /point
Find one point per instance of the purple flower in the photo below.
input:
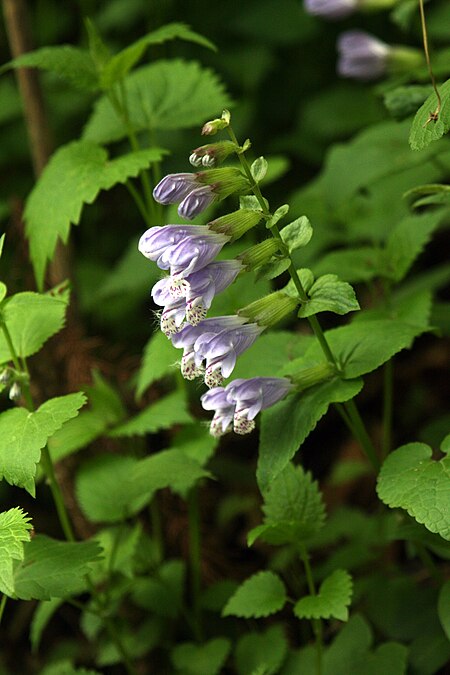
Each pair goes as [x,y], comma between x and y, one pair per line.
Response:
[174,187]
[361,56]
[191,253]
[196,201]
[241,401]
[172,317]
[331,9]
[156,240]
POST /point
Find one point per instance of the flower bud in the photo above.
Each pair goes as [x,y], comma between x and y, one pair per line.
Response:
[237,223]
[271,309]
[212,127]
[5,376]
[224,182]
[259,254]
[308,377]
[15,392]
[212,154]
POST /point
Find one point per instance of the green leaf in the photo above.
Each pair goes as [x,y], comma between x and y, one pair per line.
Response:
[168,468]
[259,169]
[444,608]
[23,434]
[261,652]
[160,415]
[162,594]
[74,176]
[31,319]
[297,234]
[353,264]
[424,132]
[328,294]
[41,617]
[285,426]
[196,442]
[411,480]
[208,658]
[105,491]
[119,544]
[165,95]
[406,242]
[158,359]
[261,595]
[71,63]
[120,64]
[404,101]
[293,508]
[14,531]
[331,601]
[53,569]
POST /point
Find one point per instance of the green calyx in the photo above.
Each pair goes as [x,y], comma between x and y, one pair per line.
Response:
[237,223]
[308,377]
[271,309]
[258,255]
[224,182]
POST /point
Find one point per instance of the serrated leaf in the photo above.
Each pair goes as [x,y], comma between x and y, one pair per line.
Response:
[160,415]
[444,608]
[358,264]
[53,569]
[105,491]
[261,595]
[423,133]
[297,234]
[328,294]
[158,359]
[23,434]
[31,320]
[331,601]
[74,176]
[41,617]
[15,529]
[208,658]
[285,426]
[165,95]
[71,63]
[406,242]
[168,468]
[261,652]
[411,480]
[120,64]
[259,169]
[293,508]
[162,594]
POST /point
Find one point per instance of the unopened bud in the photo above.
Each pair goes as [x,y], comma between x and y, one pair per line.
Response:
[213,126]
[212,154]
[271,309]
[258,255]
[237,223]
[15,392]
[5,376]
[308,377]
[224,182]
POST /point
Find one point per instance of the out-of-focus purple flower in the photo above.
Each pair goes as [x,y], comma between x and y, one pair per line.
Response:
[331,9]
[157,239]
[361,56]
[221,351]
[241,401]
[196,201]
[174,187]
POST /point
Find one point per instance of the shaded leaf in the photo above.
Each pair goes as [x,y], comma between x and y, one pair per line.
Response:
[331,601]
[208,658]
[261,595]
[168,468]
[422,134]
[160,415]
[444,608]
[15,529]
[261,652]
[158,358]
[41,617]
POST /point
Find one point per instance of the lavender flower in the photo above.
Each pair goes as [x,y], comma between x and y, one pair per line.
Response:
[156,240]
[331,9]
[172,317]
[174,187]
[196,201]
[361,56]
[241,401]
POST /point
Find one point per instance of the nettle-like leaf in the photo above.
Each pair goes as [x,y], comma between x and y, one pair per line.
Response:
[158,358]
[71,63]
[120,64]
[53,569]
[410,479]
[262,653]
[168,468]
[160,415]
[293,508]
[261,595]
[285,426]
[31,319]
[74,176]
[424,132]
[297,234]
[23,434]
[208,658]
[164,95]
[162,594]
[331,601]
[15,529]
[328,294]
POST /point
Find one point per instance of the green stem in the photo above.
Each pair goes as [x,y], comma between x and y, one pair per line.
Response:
[195,558]
[117,640]
[388,406]
[63,516]
[2,605]
[139,202]
[12,351]
[316,623]
[155,517]
[361,433]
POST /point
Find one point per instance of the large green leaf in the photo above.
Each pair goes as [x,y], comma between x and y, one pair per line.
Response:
[14,531]
[164,95]
[329,294]
[23,434]
[331,601]
[74,176]
[158,358]
[160,415]
[412,480]
[168,468]
[31,319]
[261,595]
[285,426]
[424,132]
[53,569]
